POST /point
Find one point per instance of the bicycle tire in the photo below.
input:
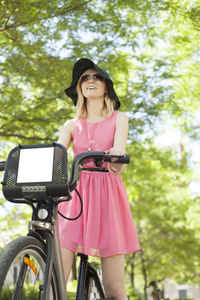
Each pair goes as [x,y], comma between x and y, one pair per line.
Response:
[27,254]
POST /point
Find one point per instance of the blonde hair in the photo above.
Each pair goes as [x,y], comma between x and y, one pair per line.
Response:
[81,107]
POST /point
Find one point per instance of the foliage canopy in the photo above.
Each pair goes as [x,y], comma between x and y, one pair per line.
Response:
[151,49]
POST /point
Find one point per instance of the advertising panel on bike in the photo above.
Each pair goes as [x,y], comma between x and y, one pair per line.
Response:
[35,165]
[35,172]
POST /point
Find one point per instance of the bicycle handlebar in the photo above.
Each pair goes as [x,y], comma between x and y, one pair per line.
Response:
[98,158]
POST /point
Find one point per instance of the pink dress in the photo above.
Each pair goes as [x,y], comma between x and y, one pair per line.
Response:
[106,226]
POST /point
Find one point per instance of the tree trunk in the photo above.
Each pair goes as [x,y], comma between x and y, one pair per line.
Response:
[144,274]
[132,274]
[130,269]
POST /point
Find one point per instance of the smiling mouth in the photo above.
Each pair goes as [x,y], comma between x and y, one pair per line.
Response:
[91,88]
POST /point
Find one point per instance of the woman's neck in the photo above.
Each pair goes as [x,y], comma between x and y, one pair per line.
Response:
[94,109]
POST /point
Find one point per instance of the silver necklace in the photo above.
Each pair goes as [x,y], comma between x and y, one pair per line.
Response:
[91,142]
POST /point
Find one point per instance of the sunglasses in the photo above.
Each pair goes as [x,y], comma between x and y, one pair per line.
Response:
[86,78]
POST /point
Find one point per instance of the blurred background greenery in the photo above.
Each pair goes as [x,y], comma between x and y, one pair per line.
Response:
[151,50]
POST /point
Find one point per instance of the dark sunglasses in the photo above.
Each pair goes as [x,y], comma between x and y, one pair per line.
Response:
[96,77]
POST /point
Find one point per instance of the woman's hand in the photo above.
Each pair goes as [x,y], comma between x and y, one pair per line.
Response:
[115,168]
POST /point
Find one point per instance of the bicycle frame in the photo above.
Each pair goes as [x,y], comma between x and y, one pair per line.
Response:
[86,271]
[53,255]
[46,229]
[39,229]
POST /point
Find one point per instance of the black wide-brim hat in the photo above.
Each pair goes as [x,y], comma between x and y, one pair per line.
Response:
[80,67]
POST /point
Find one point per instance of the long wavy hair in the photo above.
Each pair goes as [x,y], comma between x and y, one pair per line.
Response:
[81,106]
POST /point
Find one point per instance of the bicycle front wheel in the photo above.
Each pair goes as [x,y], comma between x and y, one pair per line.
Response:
[22,270]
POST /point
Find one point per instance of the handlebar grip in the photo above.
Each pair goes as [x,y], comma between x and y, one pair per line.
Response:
[121,159]
[2,165]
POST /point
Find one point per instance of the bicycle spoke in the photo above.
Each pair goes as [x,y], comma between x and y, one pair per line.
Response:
[24,278]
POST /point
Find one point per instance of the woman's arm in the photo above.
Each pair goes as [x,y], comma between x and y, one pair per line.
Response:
[66,133]
[120,139]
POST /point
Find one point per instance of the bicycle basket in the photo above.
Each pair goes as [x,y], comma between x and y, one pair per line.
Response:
[36,172]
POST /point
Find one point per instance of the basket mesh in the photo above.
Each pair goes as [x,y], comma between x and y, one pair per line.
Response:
[15,154]
[12,171]
[12,177]
[58,168]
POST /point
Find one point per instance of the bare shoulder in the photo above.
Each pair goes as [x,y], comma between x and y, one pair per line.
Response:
[69,125]
[66,133]
[121,132]
[122,118]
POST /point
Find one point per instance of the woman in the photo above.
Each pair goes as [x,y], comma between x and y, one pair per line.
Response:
[106,227]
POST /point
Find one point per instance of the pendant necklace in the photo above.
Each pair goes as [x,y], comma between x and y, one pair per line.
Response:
[90,140]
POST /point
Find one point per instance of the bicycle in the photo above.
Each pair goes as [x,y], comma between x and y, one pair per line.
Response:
[156,294]
[31,266]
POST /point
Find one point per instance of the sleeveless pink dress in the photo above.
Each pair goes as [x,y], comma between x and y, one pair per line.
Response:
[106,226]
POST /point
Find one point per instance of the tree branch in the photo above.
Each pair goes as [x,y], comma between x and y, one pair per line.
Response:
[9,37]
[61,13]
[35,138]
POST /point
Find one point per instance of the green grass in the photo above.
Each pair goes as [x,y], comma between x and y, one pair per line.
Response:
[7,293]
[71,295]
[30,294]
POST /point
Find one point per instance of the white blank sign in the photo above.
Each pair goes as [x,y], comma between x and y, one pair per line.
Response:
[35,165]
